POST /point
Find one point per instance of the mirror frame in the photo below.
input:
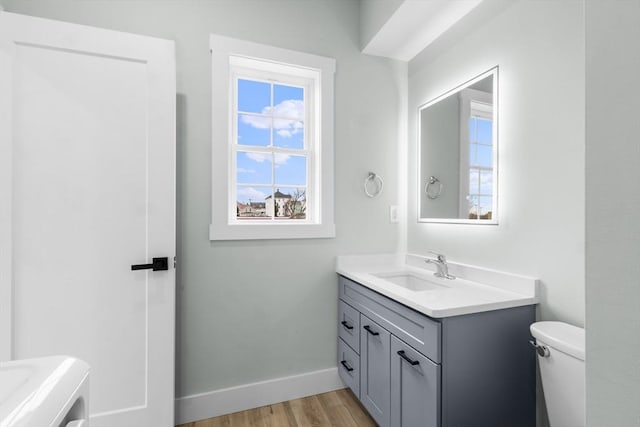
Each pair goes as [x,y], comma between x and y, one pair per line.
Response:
[494,216]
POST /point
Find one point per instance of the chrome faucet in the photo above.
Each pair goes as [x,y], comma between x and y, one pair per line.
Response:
[441,265]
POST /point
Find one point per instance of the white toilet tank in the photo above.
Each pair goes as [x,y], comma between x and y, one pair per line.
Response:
[562,371]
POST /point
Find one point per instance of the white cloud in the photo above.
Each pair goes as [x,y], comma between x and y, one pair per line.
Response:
[281,159]
[243,170]
[246,193]
[258,122]
[486,182]
[292,108]
[259,157]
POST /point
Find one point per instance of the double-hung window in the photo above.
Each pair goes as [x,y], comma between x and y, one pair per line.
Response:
[272,142]
[480,166]
[272,161]
[477,156]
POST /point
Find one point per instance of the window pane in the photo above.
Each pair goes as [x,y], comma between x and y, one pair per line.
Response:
[253,168]
[254,130]
[472,130]
[484,131]
[290,170]
[291,203]
[473,207]
[484,155]
[288,133]
[251,202]
[486,182]
[473,154]
[474,181]
[484,207]
[253,97]
[288,102]
[480,207]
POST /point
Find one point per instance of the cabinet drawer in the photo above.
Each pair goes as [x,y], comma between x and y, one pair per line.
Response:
[416,329]
[349,325]
[349,367]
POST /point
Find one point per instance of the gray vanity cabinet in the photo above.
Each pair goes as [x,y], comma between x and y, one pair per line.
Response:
[375,363]
[411,370]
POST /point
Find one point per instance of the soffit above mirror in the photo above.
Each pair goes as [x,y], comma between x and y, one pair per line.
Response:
[411,26]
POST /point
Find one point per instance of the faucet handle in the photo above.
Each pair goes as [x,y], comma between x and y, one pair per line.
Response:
[440,257]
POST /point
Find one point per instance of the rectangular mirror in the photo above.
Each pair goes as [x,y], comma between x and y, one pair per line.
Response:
[458,154]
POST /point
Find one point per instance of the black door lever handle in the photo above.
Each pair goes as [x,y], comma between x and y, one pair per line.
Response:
[158,264]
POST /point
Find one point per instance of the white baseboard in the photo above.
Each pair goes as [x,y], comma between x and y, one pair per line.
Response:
[240,398]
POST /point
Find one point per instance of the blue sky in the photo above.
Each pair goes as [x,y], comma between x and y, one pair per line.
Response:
[285,118]
[480,154]
[480,181]
[255,168]
[255,96]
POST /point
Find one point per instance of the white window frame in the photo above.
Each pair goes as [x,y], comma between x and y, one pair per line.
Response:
[475,103]
[231,58]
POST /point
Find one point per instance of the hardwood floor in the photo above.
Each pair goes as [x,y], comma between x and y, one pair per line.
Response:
[338,408]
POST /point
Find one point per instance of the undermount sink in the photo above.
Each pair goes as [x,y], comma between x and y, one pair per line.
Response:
[411,281]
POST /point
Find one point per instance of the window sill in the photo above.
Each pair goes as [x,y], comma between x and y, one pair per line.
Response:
[271,231]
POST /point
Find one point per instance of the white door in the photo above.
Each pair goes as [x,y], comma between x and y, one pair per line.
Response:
[87,189]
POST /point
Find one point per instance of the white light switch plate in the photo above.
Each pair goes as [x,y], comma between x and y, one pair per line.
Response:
[393,213]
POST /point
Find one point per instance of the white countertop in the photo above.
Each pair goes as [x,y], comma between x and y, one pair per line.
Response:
[474,290]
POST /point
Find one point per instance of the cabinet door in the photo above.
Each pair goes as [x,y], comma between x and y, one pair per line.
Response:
[415,387]
[375,347]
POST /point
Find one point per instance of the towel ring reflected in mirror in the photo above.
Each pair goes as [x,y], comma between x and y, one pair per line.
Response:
[433,189]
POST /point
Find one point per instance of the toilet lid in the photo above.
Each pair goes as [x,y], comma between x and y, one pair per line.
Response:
[561,336]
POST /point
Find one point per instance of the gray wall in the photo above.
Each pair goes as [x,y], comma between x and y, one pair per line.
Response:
[613,205]
[440,157]
[373,15]
[250,311]
[539,47]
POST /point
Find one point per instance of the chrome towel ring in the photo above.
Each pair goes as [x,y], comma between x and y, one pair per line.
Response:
[377,180]
[433,188]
